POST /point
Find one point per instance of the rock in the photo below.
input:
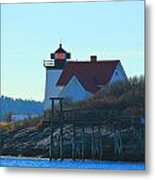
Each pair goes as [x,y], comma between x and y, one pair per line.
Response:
[47,131]
[43,142]
[36,142]
[20,134]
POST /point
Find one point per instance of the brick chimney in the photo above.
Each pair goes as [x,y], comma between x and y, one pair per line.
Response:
[93,58]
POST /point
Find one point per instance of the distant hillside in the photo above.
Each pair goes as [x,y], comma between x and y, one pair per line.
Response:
[19,106]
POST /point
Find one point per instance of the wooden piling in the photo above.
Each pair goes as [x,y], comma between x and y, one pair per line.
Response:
[73,143]
[61,141]
[51,142]
[92,142]
[83,142]
[52,107]
[51,138]
[100,142]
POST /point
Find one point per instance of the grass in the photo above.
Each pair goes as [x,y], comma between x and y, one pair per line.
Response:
[35,123]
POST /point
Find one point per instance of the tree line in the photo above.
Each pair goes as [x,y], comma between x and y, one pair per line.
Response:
[19,106]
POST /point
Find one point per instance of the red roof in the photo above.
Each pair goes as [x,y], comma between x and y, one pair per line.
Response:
[89,74]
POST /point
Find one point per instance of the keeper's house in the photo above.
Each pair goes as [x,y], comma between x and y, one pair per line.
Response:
[78,80]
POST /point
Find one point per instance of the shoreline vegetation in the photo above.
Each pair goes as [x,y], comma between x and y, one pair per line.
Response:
[122,106]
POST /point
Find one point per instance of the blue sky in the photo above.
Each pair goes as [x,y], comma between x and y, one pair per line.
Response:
[30,32]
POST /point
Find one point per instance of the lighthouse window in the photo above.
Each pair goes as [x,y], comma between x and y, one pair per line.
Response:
[60,56]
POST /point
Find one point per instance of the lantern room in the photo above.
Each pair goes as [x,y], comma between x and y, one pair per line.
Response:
[60,57]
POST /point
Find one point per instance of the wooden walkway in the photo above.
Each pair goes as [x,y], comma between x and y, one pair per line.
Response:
[75,135]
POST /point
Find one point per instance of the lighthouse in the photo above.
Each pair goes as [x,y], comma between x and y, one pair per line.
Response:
[54,67]
[77,81]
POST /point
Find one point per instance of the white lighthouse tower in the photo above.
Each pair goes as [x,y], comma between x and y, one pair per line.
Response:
[54,68]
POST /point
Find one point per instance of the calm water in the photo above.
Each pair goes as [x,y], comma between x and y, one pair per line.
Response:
[45,163]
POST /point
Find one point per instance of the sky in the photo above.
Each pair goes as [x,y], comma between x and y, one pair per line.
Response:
[30,32]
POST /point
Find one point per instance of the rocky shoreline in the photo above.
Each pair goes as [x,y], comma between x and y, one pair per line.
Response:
[35,142]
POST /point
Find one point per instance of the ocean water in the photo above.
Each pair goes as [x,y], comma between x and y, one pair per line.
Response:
[87,164]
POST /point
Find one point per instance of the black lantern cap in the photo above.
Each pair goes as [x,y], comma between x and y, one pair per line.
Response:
[60,50]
